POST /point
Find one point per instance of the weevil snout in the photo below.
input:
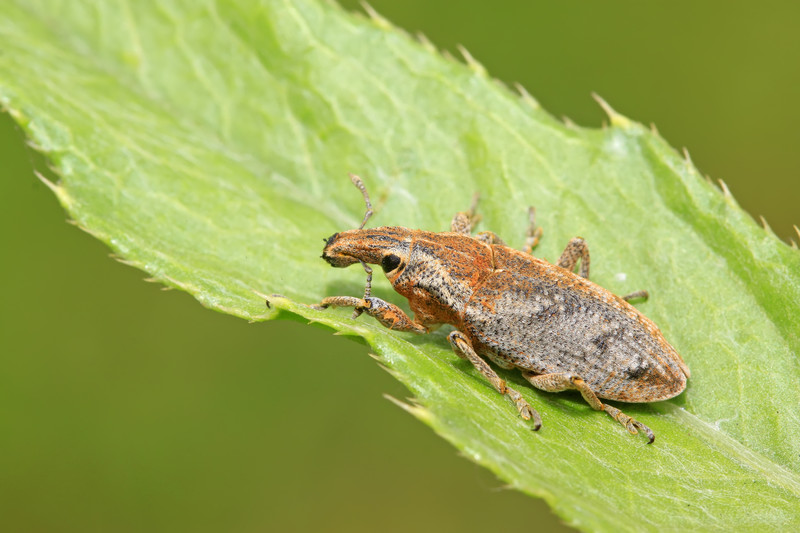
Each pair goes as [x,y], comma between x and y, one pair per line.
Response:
[388,247]
[333,253]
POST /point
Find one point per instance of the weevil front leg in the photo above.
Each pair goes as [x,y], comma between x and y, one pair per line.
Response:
[384,312]
[387,314]
[463,348]
[562,381]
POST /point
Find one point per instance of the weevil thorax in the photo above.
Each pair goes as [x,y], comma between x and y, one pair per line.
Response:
[443,271]
[437,272]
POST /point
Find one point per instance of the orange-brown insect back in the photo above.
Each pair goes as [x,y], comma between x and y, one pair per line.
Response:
[560,329]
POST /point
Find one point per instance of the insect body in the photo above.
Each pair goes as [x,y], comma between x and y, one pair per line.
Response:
[560,329]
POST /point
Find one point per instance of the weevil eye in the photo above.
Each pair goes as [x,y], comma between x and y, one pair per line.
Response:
[390,262]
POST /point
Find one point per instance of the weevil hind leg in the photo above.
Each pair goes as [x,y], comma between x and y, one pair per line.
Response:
[463,348]
[534,232]
[464,221]
[490,237]
[576,249]
[637,295]
[559,382]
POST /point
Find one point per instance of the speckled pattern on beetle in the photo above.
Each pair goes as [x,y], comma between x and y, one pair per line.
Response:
[560,329]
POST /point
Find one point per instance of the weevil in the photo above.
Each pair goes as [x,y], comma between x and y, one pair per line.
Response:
[562,331]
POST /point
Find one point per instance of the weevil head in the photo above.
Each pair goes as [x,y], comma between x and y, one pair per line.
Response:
[388,247]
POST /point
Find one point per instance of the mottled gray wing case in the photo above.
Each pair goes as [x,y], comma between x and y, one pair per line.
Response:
[546,321]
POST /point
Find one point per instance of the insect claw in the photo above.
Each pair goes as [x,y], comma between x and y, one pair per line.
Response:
[527,412]
[632,426]
[537,421]
[647,431]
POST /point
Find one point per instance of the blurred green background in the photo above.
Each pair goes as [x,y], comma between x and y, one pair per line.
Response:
[126,408]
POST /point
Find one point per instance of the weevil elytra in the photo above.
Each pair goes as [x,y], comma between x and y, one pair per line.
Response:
[560,329]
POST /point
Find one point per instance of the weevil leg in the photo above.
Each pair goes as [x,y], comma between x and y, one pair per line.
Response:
[576,249]
[533,234]
[562,381]
[462,222]
[367,289]
[489,237]
[463,348]
[636,295]
[387,314]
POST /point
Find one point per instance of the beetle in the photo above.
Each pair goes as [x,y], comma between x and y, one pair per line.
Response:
[562,331]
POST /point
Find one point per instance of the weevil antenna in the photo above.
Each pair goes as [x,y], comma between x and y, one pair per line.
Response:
[360,184]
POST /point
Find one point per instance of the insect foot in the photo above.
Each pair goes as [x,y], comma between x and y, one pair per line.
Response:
[562,331]
[565,381]
[630,423]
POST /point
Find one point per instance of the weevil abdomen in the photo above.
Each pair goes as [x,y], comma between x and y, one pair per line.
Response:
[545,319]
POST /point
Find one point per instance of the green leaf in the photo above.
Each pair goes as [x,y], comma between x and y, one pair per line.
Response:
[208,144]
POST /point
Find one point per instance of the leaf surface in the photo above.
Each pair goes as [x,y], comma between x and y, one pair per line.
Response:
[208,144]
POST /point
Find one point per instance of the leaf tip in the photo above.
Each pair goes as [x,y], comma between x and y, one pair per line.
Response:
[726,192]
[765,224]
[417,410]
[127,262]
[615,118]
[426,43]
[376,17]
[527,97]
[395,374]
[472,63]
[687,157]
[57,189]
[16,114]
